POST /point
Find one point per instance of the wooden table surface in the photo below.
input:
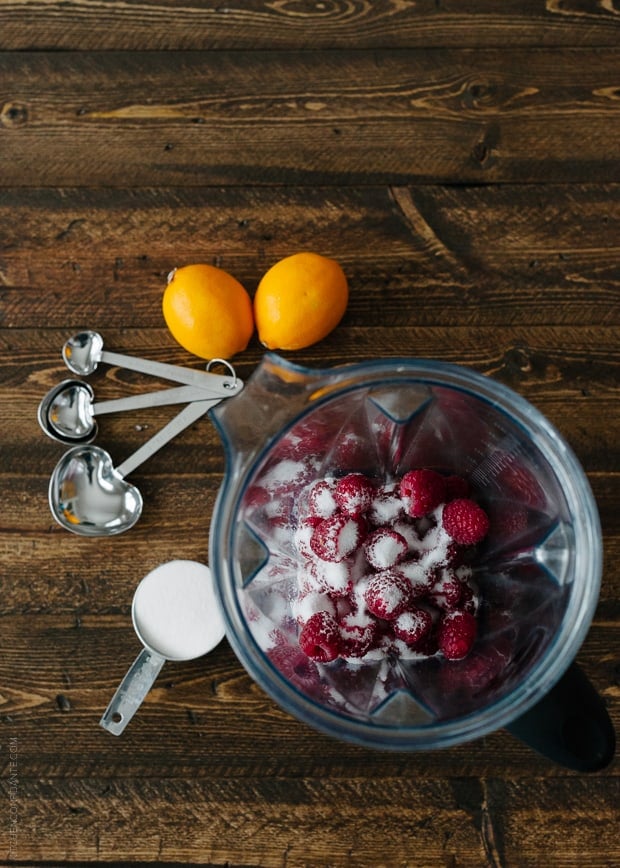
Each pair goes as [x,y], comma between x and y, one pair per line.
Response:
[462,162]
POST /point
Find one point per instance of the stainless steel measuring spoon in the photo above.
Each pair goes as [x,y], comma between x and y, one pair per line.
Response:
[176,616]
[67,413]
[90,497]
[84,351]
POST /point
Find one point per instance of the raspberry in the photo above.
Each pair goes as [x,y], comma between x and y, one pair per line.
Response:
[456,634]
[481,671]
[447,591]
[409,533]
[357,635]
[465,521]
[320,638]
[422,491]
[387,595]
[334,577]
[303,440]
[321,501]
[417,577]
[255,497]
[309,603]
[336,537]
[303,534]
[386,506]
[295,666]
[412,625]
[354,493]
[384,548]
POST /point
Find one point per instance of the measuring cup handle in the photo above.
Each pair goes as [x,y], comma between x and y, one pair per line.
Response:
[570,725]
[131,691]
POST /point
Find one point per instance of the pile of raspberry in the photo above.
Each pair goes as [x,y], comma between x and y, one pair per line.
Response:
[383,568]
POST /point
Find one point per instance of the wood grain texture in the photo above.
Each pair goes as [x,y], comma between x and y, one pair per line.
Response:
[437,256]
[273,117]
[462,162]
[469,822]
[304,25]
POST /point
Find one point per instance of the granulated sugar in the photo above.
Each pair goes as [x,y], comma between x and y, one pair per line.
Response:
[175,610]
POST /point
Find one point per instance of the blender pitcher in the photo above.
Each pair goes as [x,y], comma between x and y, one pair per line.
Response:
[538,577]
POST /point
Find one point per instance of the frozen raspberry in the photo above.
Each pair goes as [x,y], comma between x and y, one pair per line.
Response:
[386,506]
[465,521]
[303,534]
[422,491]
[418,577]
[320,638]
[481,671]
[358,634]
[309,603]
[333,577]
[295,666]
[384,548]
[354,493]
[303,440]
[321,501]
[408,530]
[457,486]
[387,594]
[446,591]
[334,538]
[256,496]
[456,634]
[412,625]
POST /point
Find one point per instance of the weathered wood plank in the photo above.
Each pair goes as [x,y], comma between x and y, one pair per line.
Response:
[318,822]
[255,24]
[454,115]
[429,256]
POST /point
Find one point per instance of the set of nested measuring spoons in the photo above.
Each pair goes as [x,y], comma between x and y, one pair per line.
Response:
[87,494]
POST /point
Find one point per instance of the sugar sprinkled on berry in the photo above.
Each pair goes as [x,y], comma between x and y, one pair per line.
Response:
[387,594]
[319,638]
[422,490]
[384,548]
[353,494]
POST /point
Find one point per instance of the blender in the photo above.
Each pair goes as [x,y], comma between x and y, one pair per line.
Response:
[539,578]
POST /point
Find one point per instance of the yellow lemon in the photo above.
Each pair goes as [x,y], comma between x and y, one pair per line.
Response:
[208,311]
[299,301]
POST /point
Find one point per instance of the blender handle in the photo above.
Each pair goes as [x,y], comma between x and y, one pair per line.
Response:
[570,725]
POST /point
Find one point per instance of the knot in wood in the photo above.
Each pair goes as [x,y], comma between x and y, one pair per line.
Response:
[13,114]
[482,93]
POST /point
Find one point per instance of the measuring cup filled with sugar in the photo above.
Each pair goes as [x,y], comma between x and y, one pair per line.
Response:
[177,617]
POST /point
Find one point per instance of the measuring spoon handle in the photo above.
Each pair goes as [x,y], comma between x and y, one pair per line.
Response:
[182,420]
[161,398]
[132,691]
[176,373]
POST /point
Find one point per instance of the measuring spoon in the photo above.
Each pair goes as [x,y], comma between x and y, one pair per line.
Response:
[83,352]
[90,497]
[67,412]
[176,617]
